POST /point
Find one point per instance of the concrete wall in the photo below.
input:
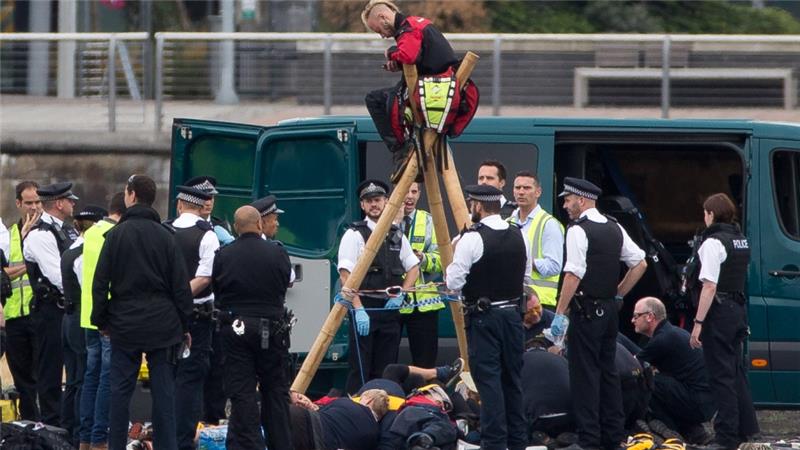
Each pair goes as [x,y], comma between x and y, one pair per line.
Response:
[96,175]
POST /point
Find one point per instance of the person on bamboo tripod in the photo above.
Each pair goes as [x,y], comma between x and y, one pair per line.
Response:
[395,264]
[720,325]
[418,42]
[490,267]
[420,313]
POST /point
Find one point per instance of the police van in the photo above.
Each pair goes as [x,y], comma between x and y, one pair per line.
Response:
[654,174]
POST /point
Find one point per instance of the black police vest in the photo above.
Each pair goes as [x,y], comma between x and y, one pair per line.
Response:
[602,258]
[387,268]
[188,240]
[500,272]
[732,272]
[70,280]
[43,287]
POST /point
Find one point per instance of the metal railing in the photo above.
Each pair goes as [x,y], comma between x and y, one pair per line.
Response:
[85,66]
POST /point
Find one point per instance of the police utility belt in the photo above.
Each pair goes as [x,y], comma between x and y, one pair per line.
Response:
[205,311]
[483,304]
[725,297]
[280,328]
[590,307]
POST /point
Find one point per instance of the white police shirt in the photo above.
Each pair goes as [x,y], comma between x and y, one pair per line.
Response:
[470,249]
[41,248]
[77,265]
[208,248]
[353,244]
[712,254]
[5,240]
[577,245]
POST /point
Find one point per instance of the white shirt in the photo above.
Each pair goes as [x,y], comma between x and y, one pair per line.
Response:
[577,244]
[712,254]
[352,246]
[208,248]
[552,243]
[77,265]
[41,248]
[5,240]
[470,249]
[292,275]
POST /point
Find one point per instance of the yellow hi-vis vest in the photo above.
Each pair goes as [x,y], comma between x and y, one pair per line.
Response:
[19,304]
[93,240]
[546,288]
[423,240]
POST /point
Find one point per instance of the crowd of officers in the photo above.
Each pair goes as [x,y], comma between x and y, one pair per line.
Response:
[92,290]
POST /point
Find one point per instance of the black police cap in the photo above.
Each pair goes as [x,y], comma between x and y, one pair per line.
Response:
[203,182]
[267,205]
[92,212]
[580,187]
[192,195]
[372,188]
[483,193]
[56,191]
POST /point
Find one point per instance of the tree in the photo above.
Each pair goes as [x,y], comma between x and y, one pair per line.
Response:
[453,16]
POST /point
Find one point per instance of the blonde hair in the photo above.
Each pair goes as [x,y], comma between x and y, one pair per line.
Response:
[378,401]
[374,3]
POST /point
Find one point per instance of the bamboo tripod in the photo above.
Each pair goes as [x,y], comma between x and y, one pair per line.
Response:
[430,143]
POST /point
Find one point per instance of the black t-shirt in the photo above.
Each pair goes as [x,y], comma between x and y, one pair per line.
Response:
[669,352]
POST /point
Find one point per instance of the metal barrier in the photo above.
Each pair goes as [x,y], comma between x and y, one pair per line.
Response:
[86,66]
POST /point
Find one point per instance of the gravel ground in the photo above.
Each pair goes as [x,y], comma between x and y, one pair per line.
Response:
[779,424]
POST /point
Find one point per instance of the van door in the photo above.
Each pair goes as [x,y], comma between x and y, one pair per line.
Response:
[310,170]
[779,199]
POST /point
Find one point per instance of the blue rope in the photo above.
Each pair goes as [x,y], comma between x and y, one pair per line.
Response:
[358,350]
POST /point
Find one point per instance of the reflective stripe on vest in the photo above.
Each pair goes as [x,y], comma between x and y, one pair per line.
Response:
[546,288]
[18,305]
[421,228]
[93,240]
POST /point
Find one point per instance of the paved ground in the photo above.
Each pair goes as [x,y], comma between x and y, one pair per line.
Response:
[48,121]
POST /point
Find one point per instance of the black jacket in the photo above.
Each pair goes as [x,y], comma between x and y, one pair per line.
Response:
[142,267]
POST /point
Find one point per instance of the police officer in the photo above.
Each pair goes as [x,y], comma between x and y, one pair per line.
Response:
[45,243]
[198,243]
[420,314]
[268,210]
[595,244]
[490,266]
[720,325]
[493,173]
[20,332]
[250,278]
[545,236]
[208,185]
[378,331]
[72,334]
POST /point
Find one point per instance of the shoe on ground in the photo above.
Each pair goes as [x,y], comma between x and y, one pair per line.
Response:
[640,441]
[700,434]
[566,439]
[660,428]
[672,444]
[452,372]
[541,438]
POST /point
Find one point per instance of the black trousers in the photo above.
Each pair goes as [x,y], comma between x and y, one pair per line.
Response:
[374,351]
[74,339]
[723,335]
[22,356]
[422,329]
[50,360]
[213,394]
[593,378]
[189,381]
[246,364]
[379,104]
[496,344]
[678,406]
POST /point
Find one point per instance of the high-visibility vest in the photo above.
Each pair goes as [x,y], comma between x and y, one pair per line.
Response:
[93,240]
[19,304]
[546,288]
[423,240]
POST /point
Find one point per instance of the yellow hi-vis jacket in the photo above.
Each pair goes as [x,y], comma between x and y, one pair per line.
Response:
[546,288]
[423,239]
[93,240]
[19,304]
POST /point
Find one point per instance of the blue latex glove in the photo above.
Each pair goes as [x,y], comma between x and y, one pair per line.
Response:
[395,302]
[339,298]
[224,237]
[362,322]
[451,297]
[559,325]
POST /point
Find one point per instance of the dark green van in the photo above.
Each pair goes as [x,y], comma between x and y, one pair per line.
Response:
[654,174]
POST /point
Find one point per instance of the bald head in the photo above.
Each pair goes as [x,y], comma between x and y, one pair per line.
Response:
[247,220]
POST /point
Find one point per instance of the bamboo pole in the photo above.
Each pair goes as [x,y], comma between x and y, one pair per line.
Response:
[335,317]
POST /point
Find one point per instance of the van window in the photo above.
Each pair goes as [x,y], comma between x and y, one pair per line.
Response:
[228,166]
[786,185]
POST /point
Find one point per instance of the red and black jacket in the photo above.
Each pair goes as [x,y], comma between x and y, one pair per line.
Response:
[420,43]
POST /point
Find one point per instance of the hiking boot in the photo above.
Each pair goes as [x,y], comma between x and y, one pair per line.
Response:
[672,444]
[400,160]
[641,441]
[663,430]
[448,374]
